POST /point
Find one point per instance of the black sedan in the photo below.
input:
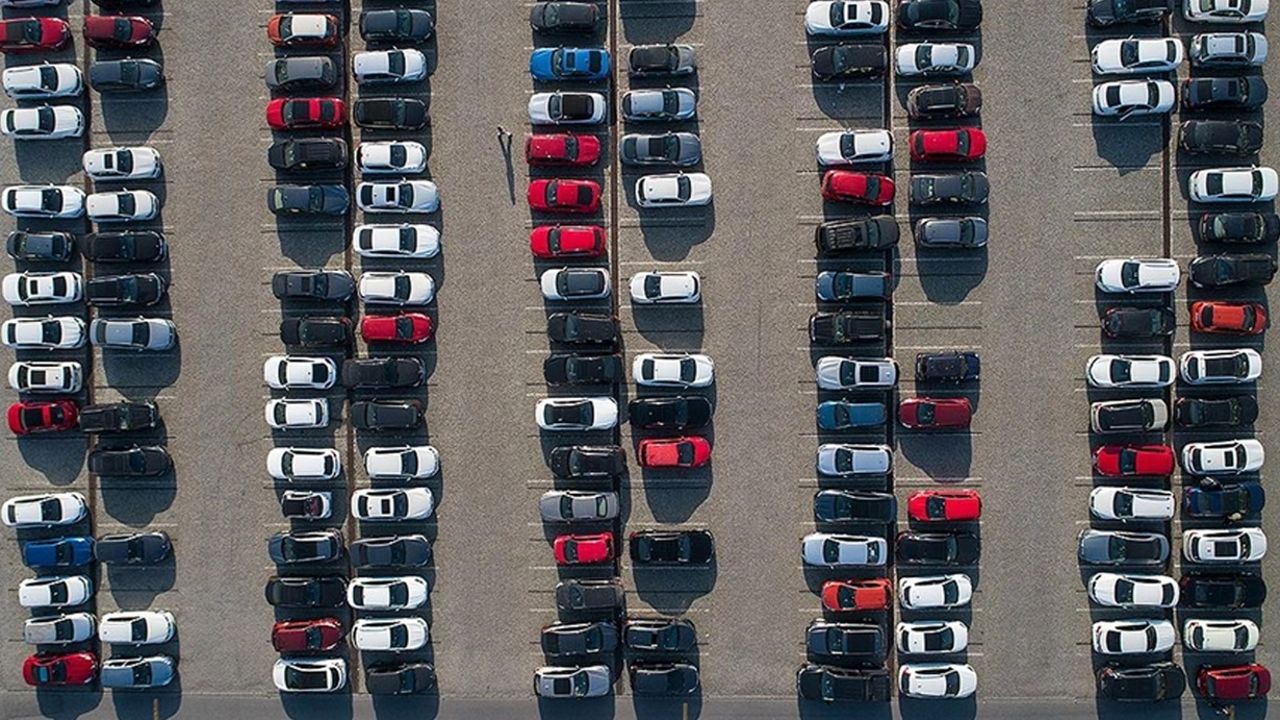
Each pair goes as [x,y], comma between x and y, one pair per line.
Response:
[1232,137]
[313,284]
[308,154]
[391,551]
[386,414]
[1214,271]
[144,548]
[316,331]
[134,461]
[126,246]
[1144,683]
[128,75]
[849,61]
[939,14]
[306,592]
[659,635]
[854,506]
[396,26]
[918,548]
[570,369]
[585,461]
[1231,411]
[1138,322]
[843,236]
[389,113]
[1110,12]
[44,246]
[123,290]
[669,413]
[308,200]
[291,74]
[288,548]
[652,60]
[383,373]
[1226,592]
[969,188]
[122,416]
[579,639]
[828,684]
[846,326]
[576,328]
[848,642]
[1250,228]
[663,679]
[678,547]
[1225,93]
[402,679]
[553,17]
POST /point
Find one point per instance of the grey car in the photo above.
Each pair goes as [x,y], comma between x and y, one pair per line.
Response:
[578,639]
[659,635]
[681,149]
[573,506]
[300,73]
[138,334]
[650,60]
[128,75]
[663,104]
[584,596]
[1110,547]
[139,672]
[848,641]
[572,682]
[956,232]
[840,285]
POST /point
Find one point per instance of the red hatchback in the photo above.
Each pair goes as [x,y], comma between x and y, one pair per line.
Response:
[304,635]
[303,30]
[1228,318]
[33,34]
[402,328]
[944,505]
[944,145]
[306,113]
[563,195]
[31,416]
[681,452]
[935,413]
[859,595]
[118,31]
[59,669]
[567,241]
[856,187]
[1233,682]
[562,149]
[584,549]
[1127,460]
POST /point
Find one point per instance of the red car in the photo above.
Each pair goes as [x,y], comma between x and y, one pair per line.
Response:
[33,34]
[856,187]
[1125,460]
[306,113]
[562,149]
[303,635]
[680,452]
[567,241]
[857,595]
[31,416]
[302,30]
[59,669]
[944,145]
[1228,318]
[118,31]
[1233,682]
[584,549]
[563,195]
[933,413]
[402,328]
[944,505]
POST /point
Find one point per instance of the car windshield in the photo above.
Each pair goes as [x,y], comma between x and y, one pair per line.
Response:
[296,678]
[1129,274]
[1129,53]
[1124,591]
[395,62]
[581,683]
[925,413]
[873,188]
[684,453]
[923,52]
[1121,371]
[1123,504]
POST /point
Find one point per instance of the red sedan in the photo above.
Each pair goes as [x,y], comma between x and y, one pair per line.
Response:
[59,669]
[562,149]
[563,195]
[857,595]
[31,416]
[552,242]
[935,413]
[944,505]
[948,145]
[118,31]
[1233,682]
[856,187]
[1126,460]
[402,328]
[584,549]
[33,34]
[304,635]
[306,113]
[1228,318]
[303,30]
[681,452]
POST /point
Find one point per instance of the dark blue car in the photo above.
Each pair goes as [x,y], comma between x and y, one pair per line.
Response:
[1230,501]
[585,64]
[60,552]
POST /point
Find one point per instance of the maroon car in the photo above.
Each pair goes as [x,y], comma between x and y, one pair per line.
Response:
[303,635]
[929,413]
[118,31]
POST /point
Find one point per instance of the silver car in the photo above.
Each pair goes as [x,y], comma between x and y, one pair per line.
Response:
[138,672]
[664,104]
[572,682]
[573,506]
[1110,547]
[141,333]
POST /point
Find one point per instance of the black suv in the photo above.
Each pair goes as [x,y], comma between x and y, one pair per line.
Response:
[312,284]
[396,26]
[1226,592]
[669,413]
[849,642]
[675,547]
[829,684]
[144,548]
[390,113]
[919,548]
[849,61]
[1212,412]
[1233,137]
[308,154]
[386,414]
[1225,93]
[135,461]
[846,326]
[564,17]
[44,246]
[118,290]
[307,546]
[306,592]
[1138,322]
[569,369]
[308,200]
[1110,12]
[1213,271]
[403,679]
[842,236]
[577,328]
[383,372]
[315,331]
[128,75]
[969,188]
[119,417]
[1145,683]
[582,461]
[834,506]
[1251,228]
[948,367]
[939,14]
[394,551]
[581,596]
[126,246]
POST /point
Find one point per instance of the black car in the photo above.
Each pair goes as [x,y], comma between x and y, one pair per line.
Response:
[316,331]
[849,61]
[396,26]
[312,284]
[43,246]
[672,148]
[144,548]
[122,4]
[1213,271]
[854,506]
[1225,93]
[128,75]
[383,372]
[920,548]
[846,326]
[308,199]
[564,17]
[581,461]
[647,60]
[848,642]
[675,547]
[1129,416]
[663,679]
[307,546]
[939,14]
[669,413]
[306,592]
[1250,228]
[126,246]
[402,679]
[969,188]
[577,328]
[290,74]
[305,504]
[1230,411]
[118,290]
[572,369]
[579,639]
[948,367]
[1233,137]
[843,236]
[1224,592]
[951,233]
[394,551]
[954,100]
[386,414]
[659,635]
[1110,12]
[1138,322]
[119,417]
[828,684]
[389,113]
[134,461]
[1229,502]
[580,596]
[308,154]
[1145,683]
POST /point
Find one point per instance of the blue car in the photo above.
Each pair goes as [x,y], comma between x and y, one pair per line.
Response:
[60,552]
[1230,501]
[841,415]
[584,64]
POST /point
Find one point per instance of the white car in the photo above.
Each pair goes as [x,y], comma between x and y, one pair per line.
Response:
[1237,545]
[289,414]
[1225,11]
[673,190]
[42,377]
[397,288]
[655,287]
[1133,591]
[143,627]
[46,80]
[389,66]
[854,146]
[573,108]
[294,463]
[407,240]
[1130,371]
[392,504]
[937,680]
[1131,98]
[1235,635]
[574,283]
[576,413]
[58,591]
[1134,56]
[1215,367]
[59,629]
[47,122]
[680,370]
[1228,457]
[841,373]
[306,675]
[935,59]
[573,682]
[847,17]
[407,196]
[1109,502]
[390,634]
[122,205]
[1242,184]
[293,372]
[1134,275]
[401,463]
[42,288]
[121,163]
[931,637]
[48,510]
[841,460]
[1229,49]
[1132,637]
[43,201]
[836,550]
[404,592]
[47,333]
[399,156]
[935,591]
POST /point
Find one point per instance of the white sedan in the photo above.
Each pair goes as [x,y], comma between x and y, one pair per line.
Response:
[935,59]
[1235,635]
[48,510]
[401,463]
[408,196]
[293,372]
[935,591]
[1225,11]
[42,123]
[404,592]
[1131,98]
[931,637]
[1217,367]
[46,377]
[574,108]
[121,163]
[835,550]
[576,283]
[847,17]
[1228,457]
[289,414]
[397,156]
[307,675]
[854,146]
[1133,275]
[1236,545]
[576,413]
[397,288]
[1133,591]
[405,240]
[47,333]
[840,460]
[937,680]
[666,287]
[43,201]
[60,591]
[1132,637]
[143,627]
[1130,371]
[390,634]
[1241,184]
[676,370]
[122,206]
[294,463]
[392,504]
[46,80]
[389,66]
[841,373]
[1109,502]
[673,190]
[42,288]
[1133,56]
